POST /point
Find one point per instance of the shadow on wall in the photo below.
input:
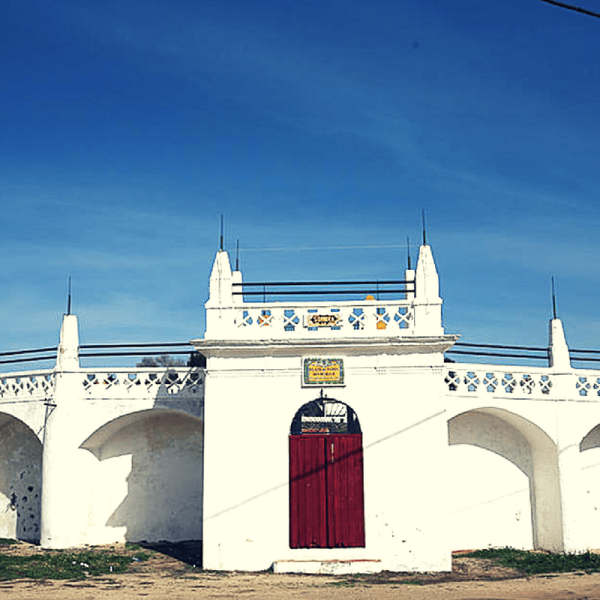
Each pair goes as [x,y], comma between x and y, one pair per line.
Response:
[20,481]
[163,500]
[590,440]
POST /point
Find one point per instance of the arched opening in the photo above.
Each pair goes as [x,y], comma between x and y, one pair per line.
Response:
[590,480]
[521,505]
[150,477]
[20,480]
[326,477]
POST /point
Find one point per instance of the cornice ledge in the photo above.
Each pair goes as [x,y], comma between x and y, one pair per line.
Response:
[300,346]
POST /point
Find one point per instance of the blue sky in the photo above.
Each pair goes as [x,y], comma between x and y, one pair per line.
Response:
[128,127]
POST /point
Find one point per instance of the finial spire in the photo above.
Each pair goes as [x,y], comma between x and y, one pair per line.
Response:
[221,240]
[424,230]
[69,298]
[237,255]
[553,300]
[408,252]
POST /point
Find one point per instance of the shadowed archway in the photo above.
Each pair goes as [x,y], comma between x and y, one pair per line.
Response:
[20,480]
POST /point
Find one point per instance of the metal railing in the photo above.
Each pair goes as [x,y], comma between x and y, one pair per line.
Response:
[520,352]
[326,288]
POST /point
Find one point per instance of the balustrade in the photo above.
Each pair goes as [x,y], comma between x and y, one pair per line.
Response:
[519,381]
[366,318]
[30,385]
[143,382]
[498,380]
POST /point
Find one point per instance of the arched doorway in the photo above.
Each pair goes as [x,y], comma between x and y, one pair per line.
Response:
[326,477]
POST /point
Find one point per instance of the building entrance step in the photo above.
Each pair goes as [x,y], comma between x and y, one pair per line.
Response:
[328,567]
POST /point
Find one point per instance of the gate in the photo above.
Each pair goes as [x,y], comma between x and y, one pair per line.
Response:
[326,478]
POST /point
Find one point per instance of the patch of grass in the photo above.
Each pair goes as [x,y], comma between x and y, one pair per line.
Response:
[537,563]
[66,565]
[132,546]
[7,542]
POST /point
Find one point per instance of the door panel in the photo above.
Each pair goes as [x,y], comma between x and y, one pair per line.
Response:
[326,491]
[345,491]
[308,490]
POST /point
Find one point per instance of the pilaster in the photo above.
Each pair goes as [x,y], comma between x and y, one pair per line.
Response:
[575,535]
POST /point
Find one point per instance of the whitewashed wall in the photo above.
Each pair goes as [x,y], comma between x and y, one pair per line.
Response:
[249,410]
[123,458]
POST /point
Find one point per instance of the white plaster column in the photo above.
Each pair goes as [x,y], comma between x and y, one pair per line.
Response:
[219,307]
[558,351]
[64,468]
[427,303]
[568,439]
[575,537]
[546,513]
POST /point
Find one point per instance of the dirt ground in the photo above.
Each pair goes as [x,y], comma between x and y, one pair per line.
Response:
[170,573]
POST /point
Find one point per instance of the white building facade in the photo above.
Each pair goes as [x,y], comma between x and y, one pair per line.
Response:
[322,436]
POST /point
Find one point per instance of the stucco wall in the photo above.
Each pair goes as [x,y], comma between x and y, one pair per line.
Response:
[248,419]
[518,455]
[149,479]
[123,460]
[489,501]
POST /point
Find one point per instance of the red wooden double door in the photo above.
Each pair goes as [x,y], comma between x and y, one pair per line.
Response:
[326,491]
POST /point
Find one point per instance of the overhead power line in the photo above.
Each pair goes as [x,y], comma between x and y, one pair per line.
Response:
[585,11]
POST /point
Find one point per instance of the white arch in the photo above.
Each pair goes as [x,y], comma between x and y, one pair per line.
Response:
[529,448]
[149,483]
[95,443]
[326,410]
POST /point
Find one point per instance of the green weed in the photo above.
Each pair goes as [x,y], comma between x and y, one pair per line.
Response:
[132,546]
[66,565]
[537,563]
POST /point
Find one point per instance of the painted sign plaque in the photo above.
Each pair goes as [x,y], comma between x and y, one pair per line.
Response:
[323,320]
[320,372]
